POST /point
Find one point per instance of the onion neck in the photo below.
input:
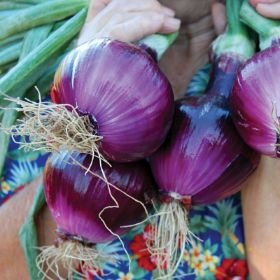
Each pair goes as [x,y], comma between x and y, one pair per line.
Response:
[185,201]
[268,29]
[63,237]
[223,73]
[229,51]
[236,38]
[157,44]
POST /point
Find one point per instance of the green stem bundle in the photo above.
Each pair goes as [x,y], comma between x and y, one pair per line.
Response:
[236,39]
[47,12]
[9,5]
[268,29]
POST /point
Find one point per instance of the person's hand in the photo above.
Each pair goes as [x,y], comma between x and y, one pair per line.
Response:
[267,8]
[127,21]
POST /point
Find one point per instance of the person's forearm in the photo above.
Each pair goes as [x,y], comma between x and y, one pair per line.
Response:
[261,212]
[12,216]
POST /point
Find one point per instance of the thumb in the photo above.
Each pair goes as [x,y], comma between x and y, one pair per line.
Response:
[255,2]
[219,17]
[95,7]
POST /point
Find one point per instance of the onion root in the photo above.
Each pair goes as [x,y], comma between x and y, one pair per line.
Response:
[53,127]
[72,256]
[169,235]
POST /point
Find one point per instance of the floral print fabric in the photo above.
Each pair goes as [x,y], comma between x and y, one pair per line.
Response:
[219,252]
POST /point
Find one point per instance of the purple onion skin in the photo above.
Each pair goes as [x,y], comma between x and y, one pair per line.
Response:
[223,73]
[203,156]
[121,87]
[75,199]
[149,50]
[255,90]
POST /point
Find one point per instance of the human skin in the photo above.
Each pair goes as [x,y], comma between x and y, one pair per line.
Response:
[267,8]
[12,215]
[261,207]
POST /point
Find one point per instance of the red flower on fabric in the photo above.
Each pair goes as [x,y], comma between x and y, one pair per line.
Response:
[91,275]
[232,269]
[88,273]
[139,247]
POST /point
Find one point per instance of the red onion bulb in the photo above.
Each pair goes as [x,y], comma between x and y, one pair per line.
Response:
[255,96]
[121,88]
[202,160]
[256,102]
[76,201]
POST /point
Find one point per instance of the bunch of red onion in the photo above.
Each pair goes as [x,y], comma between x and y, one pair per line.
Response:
[111,102]
[203,159]
[256,95]
[89,210]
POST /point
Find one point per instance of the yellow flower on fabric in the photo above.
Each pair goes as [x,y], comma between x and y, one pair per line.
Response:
[202,261]
[5,187]
[199,268]
[210,261]
[196,254]
[127,276]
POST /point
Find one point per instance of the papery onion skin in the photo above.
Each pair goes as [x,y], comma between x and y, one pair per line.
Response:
[255,101]
[121,87]
[75,199]
[204,157]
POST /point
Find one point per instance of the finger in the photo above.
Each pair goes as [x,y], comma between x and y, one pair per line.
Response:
[96,18]
[138,6]
[143,24]
[219,17]
[169,24]
[117,9]
[269,10]
[255,2]
[95,7]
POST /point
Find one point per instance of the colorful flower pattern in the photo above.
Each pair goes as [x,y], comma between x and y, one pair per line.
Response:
[219,255]
[232,269]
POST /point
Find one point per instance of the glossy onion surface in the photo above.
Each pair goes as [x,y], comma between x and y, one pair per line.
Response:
[121,87]
[256,101]
[204,157]
[75,199]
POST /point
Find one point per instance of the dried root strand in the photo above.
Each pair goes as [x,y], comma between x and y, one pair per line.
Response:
[67,258]
[53,127]
[275,118]
[277,127]
[169,235]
